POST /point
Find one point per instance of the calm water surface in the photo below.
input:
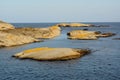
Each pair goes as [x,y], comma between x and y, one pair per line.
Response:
[103,64]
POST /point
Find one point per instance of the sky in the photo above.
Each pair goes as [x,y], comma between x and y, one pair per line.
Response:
[60,11]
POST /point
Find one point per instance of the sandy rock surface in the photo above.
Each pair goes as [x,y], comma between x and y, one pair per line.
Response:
[87,35]
[5,26]
[45,53]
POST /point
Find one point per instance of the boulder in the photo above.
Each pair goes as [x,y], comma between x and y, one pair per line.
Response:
[45,53]
[87,35]
[5,26]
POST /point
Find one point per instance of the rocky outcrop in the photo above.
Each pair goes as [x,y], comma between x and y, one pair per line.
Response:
[81,34]
[45,53]
[49,32]
[5,26]
[8,39]
[74,25]
[20,36]
[87,35]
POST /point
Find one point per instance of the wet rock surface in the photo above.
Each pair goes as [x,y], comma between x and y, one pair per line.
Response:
[116,38]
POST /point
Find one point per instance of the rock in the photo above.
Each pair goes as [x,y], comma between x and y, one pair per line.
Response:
[103,26]
[87,35]
[116,38]
[5,26]
[74,25]
[63,25]
[109,34]
[45,53]
[8,39]
[85,29]
[20,36]
[82,35]
[49,32]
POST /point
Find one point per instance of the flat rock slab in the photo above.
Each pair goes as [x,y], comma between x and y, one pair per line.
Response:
[45,53]
[87,35]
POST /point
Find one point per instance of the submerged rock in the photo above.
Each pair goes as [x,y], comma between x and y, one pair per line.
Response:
[116,38]
[5,26]
[45,53]
[85,29]
[74,25]
[103,26]
[87,35]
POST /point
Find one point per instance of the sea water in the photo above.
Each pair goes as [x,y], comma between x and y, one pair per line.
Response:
[102,64]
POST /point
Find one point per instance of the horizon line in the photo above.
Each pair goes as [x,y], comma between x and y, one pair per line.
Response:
[68,22]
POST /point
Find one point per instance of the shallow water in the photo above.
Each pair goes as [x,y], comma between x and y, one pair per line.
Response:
[102,64]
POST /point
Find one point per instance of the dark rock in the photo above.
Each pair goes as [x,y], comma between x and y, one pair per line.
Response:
[98,32]
[85,29]
[103,26]
[116,38]
[109,34]
[68,34]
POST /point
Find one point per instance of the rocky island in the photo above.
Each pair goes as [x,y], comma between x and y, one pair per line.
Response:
[74,25]
[87,35]
[45,53]
[11,36]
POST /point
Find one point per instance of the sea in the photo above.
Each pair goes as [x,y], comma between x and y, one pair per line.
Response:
[102,64]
